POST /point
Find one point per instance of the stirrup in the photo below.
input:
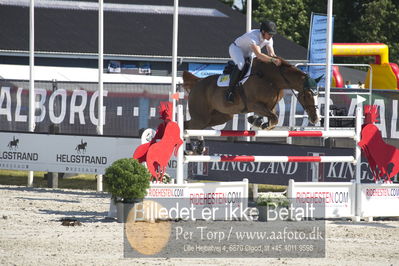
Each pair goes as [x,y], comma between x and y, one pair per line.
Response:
[229,96]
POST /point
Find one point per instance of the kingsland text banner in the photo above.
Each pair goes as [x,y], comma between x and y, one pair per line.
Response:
[276,173]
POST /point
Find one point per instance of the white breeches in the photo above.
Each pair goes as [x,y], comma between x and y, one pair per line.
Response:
[237,55]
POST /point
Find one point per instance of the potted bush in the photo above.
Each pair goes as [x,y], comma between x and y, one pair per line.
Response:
[270,201]
[127,180]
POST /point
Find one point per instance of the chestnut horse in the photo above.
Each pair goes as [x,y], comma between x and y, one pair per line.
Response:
[260,94]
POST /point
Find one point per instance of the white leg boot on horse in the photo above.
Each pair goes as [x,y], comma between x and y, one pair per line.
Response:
[255,120]
[258,121]
[263,111]
[196,147]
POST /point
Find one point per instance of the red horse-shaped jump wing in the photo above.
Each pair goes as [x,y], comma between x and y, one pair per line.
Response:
[383,158]
[157,154]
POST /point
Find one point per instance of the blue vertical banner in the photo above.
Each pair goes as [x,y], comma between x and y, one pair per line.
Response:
[317,48]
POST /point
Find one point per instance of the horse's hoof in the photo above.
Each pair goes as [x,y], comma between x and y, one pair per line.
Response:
[166,179]
[200,151]
[251,119]
[258,122]
[188,152]
[189,147]
[200,148]
[265,125]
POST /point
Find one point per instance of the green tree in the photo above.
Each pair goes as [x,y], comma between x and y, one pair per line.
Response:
[355,21]
[291,17]
[379,22]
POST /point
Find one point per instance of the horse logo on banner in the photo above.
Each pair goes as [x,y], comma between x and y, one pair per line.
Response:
[81,147]
[13,143]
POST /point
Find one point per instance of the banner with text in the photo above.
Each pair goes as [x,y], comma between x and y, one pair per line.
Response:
[276,173]
[62,153]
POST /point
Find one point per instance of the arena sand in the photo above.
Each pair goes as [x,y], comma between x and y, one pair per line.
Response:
[31,234]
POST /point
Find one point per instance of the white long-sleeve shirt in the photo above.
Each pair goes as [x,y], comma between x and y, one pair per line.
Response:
[252,37]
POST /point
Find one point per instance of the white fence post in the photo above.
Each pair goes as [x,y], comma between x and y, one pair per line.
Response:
[180,153]
[358,157]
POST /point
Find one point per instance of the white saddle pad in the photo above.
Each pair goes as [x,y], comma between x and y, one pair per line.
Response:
[223,80]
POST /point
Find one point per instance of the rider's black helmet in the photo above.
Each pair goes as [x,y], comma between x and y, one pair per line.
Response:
[269,27]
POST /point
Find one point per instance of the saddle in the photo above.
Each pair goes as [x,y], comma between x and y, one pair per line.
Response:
[224,79]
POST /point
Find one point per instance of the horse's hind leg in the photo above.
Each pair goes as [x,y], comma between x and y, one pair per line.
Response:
[193,148]
[196,123]
[218,118]
[264,111]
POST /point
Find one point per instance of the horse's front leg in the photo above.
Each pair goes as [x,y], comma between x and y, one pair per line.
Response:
[201,146]
[195,147]
[255,120]
[264,111]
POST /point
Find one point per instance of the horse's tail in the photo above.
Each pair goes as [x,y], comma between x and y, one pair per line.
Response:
[189,80]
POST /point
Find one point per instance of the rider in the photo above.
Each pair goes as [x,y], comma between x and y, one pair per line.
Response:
[249,45]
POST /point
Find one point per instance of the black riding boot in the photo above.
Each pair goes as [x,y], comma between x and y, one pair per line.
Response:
[234,79]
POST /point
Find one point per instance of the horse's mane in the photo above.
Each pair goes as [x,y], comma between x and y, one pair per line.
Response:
[270,71]
[284,63]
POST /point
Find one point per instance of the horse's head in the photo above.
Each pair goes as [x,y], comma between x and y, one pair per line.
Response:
[290,77]
[308,98]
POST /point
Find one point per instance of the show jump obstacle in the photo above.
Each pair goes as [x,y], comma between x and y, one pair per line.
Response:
[354,134]
[341,199]
[358,200]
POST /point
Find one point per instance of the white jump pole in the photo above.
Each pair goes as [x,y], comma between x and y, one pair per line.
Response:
[174,54]
[248,28]
[358,157]
[248,125]
[358,127]
[271,159]
[328,66]
[180,152]
[271,134]
[31,76]
[100,80]
[177,108]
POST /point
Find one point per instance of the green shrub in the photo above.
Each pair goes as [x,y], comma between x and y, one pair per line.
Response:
[272,198]
[127,180]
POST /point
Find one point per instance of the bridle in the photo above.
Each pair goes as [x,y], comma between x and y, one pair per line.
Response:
[306,87]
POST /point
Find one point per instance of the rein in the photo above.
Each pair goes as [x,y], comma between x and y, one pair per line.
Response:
[282,74]
[296,96]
